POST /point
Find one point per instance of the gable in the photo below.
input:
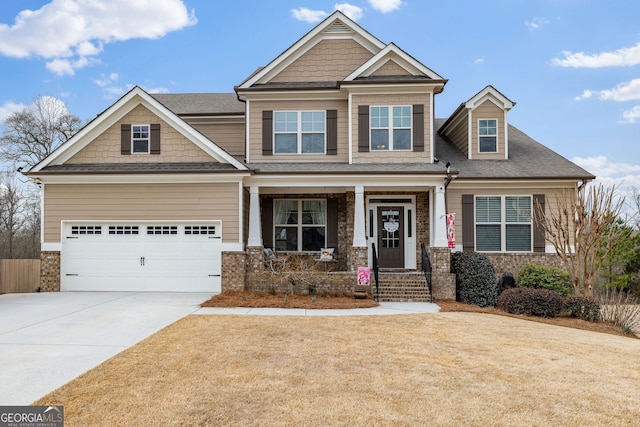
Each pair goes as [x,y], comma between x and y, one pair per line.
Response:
[106,148]
[390,68]
[328,60]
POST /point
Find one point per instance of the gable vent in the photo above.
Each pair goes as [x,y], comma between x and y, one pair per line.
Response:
[337,27]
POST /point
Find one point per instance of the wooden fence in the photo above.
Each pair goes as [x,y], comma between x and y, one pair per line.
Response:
[19,275]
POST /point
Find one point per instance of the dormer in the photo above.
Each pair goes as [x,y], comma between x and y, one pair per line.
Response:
[479,127]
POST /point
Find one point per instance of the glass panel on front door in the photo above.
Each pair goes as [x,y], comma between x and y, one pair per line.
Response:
[390,229]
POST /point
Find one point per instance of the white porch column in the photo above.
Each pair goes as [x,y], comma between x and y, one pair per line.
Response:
[359,229]
[255,227]
[439,219]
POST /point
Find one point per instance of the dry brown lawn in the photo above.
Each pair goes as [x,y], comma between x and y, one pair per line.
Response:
[445,369]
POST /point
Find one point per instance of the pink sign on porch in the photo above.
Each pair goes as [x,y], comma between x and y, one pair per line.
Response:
[451,230]
[364,276]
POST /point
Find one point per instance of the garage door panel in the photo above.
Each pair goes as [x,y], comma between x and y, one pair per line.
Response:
[141,257]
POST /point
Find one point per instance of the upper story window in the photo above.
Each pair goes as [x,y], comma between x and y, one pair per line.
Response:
[300,225]
[299,132]
[503,223]
[391,128]
[140,139]
[488,135]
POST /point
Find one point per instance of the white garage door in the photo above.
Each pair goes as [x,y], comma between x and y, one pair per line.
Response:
[154,257]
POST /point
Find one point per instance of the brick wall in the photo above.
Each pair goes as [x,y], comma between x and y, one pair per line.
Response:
[233,270]
[513,262]
[49,271]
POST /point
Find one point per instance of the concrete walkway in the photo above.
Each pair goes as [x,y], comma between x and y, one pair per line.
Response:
[48,339]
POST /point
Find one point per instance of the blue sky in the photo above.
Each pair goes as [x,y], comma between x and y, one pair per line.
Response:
[572,66]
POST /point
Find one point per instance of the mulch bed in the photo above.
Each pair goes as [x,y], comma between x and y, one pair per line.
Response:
[256,299]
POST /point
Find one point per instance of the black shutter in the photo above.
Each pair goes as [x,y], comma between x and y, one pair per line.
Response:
[418,127]
[363,128]
[267,133]
[538,229]
[332,132]
[468,223]
[332,223]
[125,139]
[154,146]
[267,222]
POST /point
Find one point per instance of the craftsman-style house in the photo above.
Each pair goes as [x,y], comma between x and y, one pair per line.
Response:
[333,144]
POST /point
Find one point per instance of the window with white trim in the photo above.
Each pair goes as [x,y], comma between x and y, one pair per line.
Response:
[140,139]
[299,132]
[300,225]
[503,223]
[390,127]
[488,136]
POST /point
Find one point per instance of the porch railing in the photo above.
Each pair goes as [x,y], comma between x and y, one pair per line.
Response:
[426,268]
[376,268]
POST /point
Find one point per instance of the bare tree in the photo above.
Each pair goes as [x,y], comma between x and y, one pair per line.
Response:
[11,211]
[581,229]
[634,199]
[32,134]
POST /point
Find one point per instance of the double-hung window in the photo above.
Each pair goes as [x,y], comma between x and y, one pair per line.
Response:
[300,225]
[299,132]
[503,223]
[488,135]
[390,128]
[140,139]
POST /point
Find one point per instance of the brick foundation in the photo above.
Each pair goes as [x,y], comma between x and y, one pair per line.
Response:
[443,282]
[50,271]
[233,270]
[513,262]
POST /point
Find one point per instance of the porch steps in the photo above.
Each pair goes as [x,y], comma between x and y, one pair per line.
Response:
[402,286]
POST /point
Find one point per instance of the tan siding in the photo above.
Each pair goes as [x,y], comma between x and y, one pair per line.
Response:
[256,129]
[454,200]
[329,60]
[392,156]
[459,134]
[141,202]
[487,110]
[174,148]
[228,136]
[391,68]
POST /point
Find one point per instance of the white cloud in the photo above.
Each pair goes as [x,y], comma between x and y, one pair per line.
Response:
[586,94]
[69,33]
[632,115]
[385,6]
[478,61]
[351,11]
[9,108]
[622,92]
[110,86]
[308,15]
[626,56]
[536,23]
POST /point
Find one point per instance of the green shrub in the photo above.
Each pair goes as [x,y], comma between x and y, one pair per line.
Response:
[545,277]
[583,308]
[475,279]
[530,301]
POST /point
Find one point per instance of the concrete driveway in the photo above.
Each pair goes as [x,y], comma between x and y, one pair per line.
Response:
[48,339]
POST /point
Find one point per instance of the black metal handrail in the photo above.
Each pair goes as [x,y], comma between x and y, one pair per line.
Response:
[376,267]
[426,268]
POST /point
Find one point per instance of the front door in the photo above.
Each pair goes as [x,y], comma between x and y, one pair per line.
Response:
[391,237]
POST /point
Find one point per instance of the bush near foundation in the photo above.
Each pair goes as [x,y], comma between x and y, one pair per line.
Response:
[475,279]
[581,307]
[531,302]
[545,277]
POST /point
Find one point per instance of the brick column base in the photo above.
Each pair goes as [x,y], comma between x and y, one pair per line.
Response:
[233,270]
[358,257]
[50,271]
[443,282]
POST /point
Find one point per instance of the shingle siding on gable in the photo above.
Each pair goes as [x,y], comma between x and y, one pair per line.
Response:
[390,68]
[329,60]
[106,148]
